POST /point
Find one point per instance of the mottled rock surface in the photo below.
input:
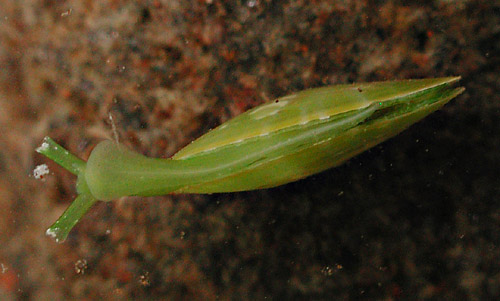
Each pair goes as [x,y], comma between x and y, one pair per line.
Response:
[416,217]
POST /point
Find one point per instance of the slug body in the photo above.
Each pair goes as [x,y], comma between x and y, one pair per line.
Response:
[273,144]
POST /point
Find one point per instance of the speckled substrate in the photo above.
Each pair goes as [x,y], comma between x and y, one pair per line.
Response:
[417,217]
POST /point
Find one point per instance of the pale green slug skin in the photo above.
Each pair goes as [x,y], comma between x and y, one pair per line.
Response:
[321,156]
[306,106]
[113,171]
[288,152]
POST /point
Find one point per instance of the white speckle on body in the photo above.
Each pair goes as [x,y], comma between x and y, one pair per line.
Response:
[40,171]
[287,98]
[268,109]
[322,141]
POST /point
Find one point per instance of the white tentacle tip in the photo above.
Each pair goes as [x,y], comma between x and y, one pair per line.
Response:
[43,147]
[53,233]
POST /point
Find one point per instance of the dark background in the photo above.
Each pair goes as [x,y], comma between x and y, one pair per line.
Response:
[414,218]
